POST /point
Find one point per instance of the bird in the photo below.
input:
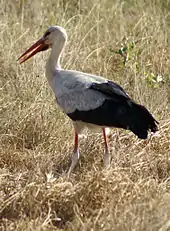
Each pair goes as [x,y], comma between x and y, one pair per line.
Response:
[90,101]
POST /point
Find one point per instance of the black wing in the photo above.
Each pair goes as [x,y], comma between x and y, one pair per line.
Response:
[118,110]
[111,89]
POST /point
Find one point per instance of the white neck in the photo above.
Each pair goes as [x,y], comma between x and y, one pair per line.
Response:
[53,62]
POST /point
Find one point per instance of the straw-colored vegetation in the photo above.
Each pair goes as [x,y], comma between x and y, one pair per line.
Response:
[125,41]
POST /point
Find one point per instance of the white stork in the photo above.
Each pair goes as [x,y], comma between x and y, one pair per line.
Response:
[89,100]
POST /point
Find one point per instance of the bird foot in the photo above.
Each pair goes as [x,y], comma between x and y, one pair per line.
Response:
[74,162]
[107,160]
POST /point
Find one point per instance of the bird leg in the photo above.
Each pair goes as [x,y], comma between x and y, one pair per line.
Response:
[75,156]
[106,155]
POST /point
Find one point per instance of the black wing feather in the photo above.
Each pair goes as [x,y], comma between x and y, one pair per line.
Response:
[110,89]
[118,110]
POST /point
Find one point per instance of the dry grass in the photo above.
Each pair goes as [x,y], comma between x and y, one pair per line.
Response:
[36,138]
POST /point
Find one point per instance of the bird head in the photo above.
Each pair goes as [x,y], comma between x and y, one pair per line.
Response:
[52,35]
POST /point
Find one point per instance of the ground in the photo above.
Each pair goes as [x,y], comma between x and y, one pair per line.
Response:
[125,41]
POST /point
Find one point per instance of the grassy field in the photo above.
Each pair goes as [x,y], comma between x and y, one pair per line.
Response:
[125,41]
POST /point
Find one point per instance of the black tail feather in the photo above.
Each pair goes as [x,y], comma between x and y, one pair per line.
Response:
[142,121]
[121,114]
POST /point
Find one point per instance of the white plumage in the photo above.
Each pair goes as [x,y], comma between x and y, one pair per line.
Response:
[89,100]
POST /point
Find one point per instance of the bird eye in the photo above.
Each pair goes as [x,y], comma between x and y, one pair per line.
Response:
[46,34]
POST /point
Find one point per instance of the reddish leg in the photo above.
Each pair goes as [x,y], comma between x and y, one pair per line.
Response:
[75,156]
[76,142]
[106,156]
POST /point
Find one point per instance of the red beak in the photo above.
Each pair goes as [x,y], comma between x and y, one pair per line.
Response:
[36,47]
